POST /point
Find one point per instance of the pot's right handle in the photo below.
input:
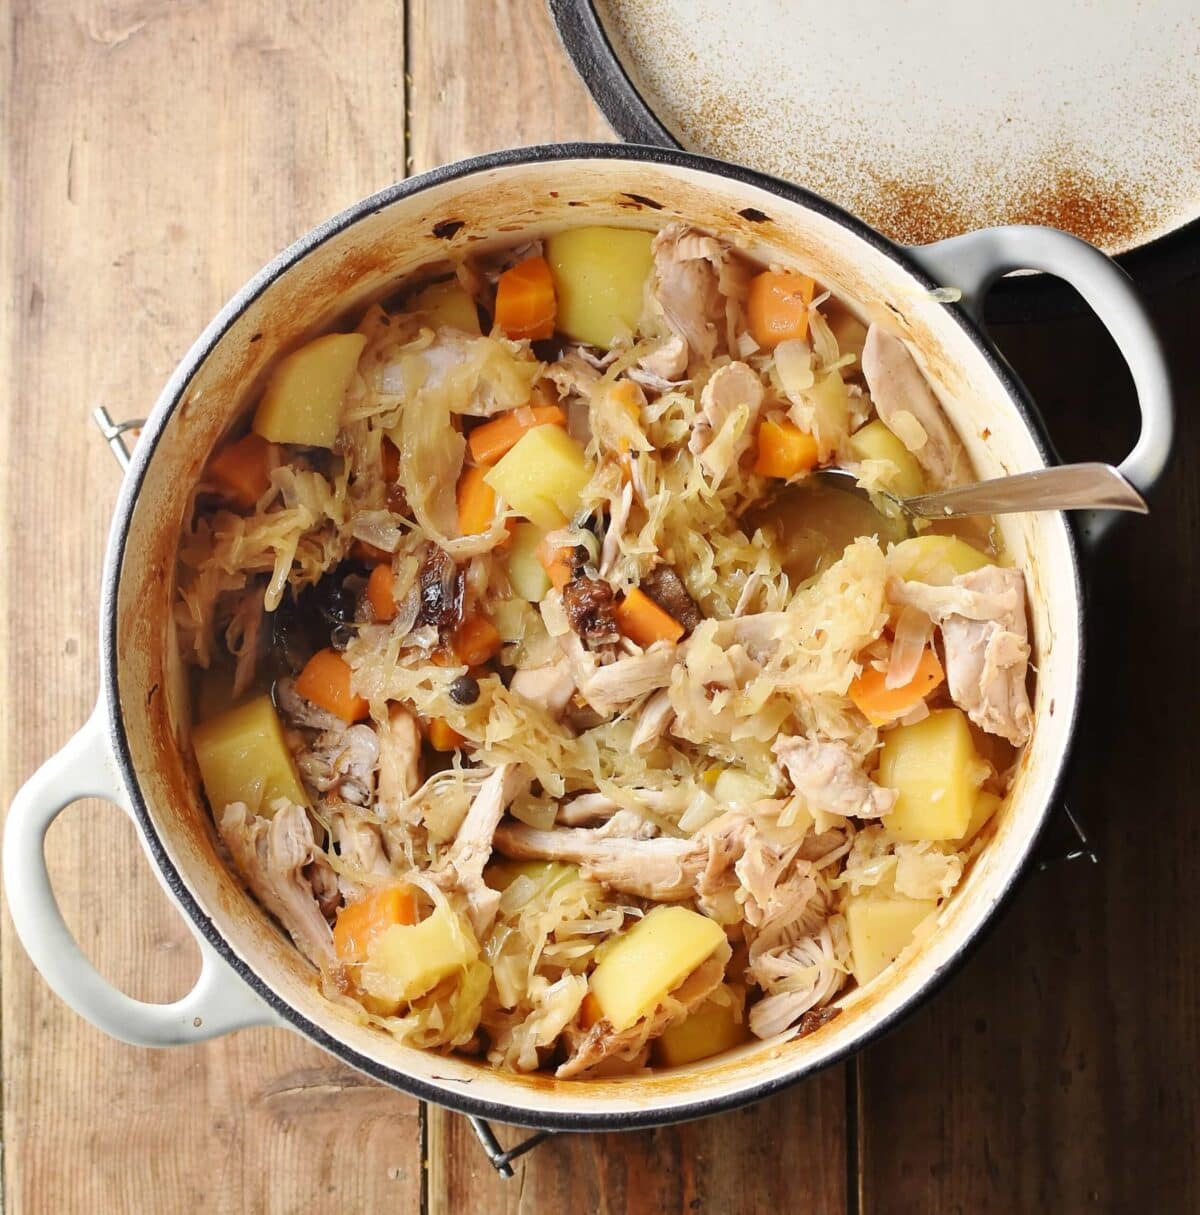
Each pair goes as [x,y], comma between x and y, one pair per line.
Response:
[974,261]
[218,1003]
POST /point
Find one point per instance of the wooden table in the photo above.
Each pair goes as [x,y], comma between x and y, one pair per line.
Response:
[156,153]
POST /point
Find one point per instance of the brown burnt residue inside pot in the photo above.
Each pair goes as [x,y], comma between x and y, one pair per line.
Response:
[447,229]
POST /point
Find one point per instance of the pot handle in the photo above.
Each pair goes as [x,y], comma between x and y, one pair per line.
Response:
[218,1003]
[972,263]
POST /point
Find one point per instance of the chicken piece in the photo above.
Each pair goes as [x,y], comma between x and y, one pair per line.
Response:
[399,761]
[601,1042]
[729,388]
[986,639]
[342,761]
[586,810]
[828,778]
[301,712]
[797,978]
[686,279]
[655,719]
[663,869]
[360,845]
[665,366]
[464,862]
[617,521]
[323,879]
[572,375]
[666,588]
[611,687]
[271,854]
[550,686]
[244,637]
[905,402]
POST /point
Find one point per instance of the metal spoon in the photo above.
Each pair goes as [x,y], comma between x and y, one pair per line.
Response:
[1067,487]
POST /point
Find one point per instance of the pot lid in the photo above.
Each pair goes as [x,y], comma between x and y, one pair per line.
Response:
[928,119]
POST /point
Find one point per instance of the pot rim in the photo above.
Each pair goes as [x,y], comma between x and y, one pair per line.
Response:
[169,400]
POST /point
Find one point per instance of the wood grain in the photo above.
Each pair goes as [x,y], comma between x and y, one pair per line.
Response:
[1056,1072]
[156,153]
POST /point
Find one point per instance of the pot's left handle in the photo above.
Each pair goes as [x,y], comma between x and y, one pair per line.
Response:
[218,1003]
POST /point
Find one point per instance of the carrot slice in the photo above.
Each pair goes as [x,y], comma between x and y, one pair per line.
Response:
[525,303]
[443,736]
[557,564]
[358,923]
[325,681]
[487,443]
[242,469]
[784,450]
[880,704]
[476,502]
[777,306]
[643,621]
[476,640]
[379,593]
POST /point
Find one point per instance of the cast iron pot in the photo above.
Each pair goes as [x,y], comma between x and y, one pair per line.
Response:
[133,749]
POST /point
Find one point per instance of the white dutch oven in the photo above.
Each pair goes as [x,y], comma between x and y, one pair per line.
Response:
[132,752]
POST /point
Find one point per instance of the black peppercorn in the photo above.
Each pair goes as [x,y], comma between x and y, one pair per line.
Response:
[464,690]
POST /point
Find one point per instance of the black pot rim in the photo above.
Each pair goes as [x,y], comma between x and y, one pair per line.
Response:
[1173,257]
[169,400]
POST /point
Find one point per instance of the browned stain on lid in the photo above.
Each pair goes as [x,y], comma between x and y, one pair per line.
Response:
[1106,213]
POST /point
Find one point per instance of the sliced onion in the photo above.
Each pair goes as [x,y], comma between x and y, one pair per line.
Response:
[913,630]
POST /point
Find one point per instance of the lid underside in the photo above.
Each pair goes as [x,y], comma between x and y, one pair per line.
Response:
[931,119]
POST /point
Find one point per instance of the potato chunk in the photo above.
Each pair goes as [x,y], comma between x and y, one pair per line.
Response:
[934,767]
[447,305]
[526,574]
[599,278]
[542,476]
[645,962]
[936,560]
[303,400]
[407,960]
[875,442]
[714,1027]
[880,927]
[243,757]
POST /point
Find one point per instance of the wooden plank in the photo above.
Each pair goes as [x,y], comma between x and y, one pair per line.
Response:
[155,155]
[786,1153]
[483,77]
[1056,1073]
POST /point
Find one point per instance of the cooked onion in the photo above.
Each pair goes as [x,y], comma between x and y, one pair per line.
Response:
[913,630]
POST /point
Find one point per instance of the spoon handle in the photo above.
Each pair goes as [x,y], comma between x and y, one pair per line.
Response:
[1067,487]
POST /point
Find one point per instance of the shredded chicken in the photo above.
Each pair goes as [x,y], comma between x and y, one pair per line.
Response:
[613,686]
[729,407]
[271,854]
[617,523]
[829,778]
[667,363]
[399,760]
[301,712]
[654,721]
[986,639]
[686,269]
[908,407]
[550,686]
[342,761]
[472,845]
